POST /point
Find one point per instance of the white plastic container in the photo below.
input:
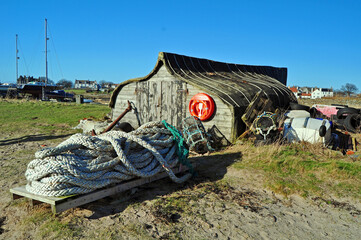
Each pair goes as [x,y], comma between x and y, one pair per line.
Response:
[297,114]
[304,129]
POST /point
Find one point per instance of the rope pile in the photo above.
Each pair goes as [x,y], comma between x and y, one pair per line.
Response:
[84,163]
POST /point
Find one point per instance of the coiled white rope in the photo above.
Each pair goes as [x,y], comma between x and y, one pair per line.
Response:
[84,163]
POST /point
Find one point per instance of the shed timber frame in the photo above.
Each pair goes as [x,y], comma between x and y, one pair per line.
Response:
[165,92]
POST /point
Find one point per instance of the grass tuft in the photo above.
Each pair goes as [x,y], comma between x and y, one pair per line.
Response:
[48,226]
[303,168]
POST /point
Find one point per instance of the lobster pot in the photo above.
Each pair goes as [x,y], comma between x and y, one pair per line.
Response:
[216,92]
[195,135]
[265,122]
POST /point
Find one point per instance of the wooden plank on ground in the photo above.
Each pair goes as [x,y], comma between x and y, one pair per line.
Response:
[60,204]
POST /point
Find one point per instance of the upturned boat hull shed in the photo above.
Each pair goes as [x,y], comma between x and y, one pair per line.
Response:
[165,93]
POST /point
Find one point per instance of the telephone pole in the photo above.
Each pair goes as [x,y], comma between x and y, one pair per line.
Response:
[46,60]
[17,58]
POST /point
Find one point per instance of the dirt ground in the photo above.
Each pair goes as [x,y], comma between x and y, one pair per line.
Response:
[237,207]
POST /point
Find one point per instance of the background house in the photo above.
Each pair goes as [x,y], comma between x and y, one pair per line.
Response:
[295,91]
[321,92]
[110,85]
[305,95]
[308,92]
[86,84]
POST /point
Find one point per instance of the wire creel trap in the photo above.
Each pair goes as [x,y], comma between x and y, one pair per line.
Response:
[195,135]
[265,123]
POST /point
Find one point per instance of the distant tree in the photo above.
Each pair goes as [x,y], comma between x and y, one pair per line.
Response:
[102,83]
[349,88]
[65,83]
[339,92]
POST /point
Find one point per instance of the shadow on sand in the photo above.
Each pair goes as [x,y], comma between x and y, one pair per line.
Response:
[209,169]
[31,138]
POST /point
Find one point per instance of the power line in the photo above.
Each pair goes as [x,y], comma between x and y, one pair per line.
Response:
[56,55]
[23,57]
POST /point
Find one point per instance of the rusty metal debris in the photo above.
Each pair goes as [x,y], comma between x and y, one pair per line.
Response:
[111,126]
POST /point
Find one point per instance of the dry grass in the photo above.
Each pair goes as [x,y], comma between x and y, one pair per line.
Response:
[305,169]
[350,101]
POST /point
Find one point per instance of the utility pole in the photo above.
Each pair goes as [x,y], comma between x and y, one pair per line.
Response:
[46,51]
[17,58]
[46,59]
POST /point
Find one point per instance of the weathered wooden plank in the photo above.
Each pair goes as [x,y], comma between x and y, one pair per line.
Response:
[179,95]
[173,103]
[130,117]
[167,102]
[123,106]
[158,101]
[224,125]
[91,197]
[184,106]
[151,99]
[259,104]
[129,87]
[143,101]
[20,192]
[125,97]
[128,92]
[59,204]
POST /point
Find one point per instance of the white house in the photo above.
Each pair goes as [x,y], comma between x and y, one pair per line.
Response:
[110,85]
[321,92]
[86,84]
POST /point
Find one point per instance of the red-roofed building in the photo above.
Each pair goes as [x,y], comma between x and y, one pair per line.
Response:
[295,91]
[305,95]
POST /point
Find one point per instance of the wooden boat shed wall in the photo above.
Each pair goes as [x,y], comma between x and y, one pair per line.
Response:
[164,94]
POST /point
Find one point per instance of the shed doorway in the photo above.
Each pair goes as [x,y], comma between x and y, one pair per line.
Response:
[162,100]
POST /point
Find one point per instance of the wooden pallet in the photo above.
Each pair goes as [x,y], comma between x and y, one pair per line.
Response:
[60,204]
[259,104]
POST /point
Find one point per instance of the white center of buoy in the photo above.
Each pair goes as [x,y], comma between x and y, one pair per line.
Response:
[200,109]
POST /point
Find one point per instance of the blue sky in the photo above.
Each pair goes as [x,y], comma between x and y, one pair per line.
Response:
[318,41]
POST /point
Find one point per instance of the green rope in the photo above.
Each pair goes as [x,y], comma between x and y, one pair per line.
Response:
[182,150]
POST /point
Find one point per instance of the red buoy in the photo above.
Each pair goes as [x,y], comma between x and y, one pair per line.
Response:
[202,106]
